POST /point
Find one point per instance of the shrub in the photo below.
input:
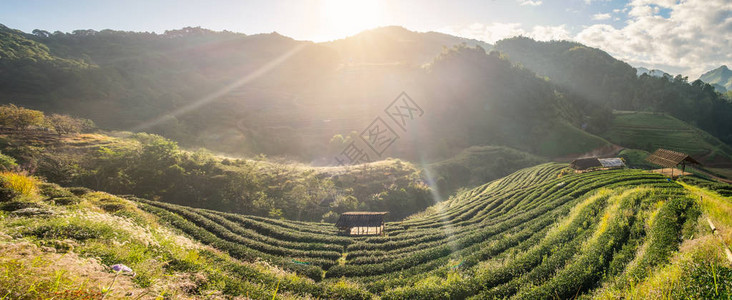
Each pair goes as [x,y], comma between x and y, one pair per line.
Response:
[64,124]
[25,185]
[52,190]
[17,205]
[7,162]
[79,191]
[7,194]
[67,200]
[19,117]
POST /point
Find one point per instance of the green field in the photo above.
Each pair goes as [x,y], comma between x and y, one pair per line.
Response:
[650,131]
[539,233]
[477,165]
[534,234]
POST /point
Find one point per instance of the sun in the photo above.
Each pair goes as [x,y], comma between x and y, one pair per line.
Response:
[347,17]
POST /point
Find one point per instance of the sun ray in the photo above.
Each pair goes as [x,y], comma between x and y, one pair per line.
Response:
[221,92]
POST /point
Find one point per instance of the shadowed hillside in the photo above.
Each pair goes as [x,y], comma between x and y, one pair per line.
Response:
[650,131]
[251,94]
[599,77]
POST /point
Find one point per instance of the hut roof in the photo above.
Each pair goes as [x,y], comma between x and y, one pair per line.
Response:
[611,162]
[585,163]
[361,219]
[667,158]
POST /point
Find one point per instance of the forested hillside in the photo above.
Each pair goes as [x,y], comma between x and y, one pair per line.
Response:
[196,86]
[600,78]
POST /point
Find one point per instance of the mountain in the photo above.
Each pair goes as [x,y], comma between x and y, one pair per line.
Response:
[590,72]
[720,78]
[655,73]
[600,78]
[267,93]
[42,71]
[196,86]
[396,44]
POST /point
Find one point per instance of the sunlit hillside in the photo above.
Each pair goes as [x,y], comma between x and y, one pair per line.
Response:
[365,149]
[541,232]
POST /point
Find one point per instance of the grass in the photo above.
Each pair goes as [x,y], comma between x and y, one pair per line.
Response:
[636,159]
[478,165]
[68,256]
[564,139]
[724,172]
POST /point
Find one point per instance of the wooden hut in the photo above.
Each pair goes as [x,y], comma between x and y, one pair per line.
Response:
[582,164]
[670,159]
[361,223]
[594,163]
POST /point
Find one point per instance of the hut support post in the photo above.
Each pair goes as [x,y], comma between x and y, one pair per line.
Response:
[683,168]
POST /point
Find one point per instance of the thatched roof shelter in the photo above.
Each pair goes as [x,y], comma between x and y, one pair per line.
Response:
[364,222]
[669,159]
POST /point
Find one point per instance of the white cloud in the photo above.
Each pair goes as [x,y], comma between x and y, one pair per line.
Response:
[497,31]
[529,2]
[547,33]
[486,32]
[695,36]
[601,17]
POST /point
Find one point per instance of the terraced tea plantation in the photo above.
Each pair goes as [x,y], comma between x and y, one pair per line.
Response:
[539,233]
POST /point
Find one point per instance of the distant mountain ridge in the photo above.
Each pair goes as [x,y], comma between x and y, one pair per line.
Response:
[654,72]
[720,78]
[195,86]
[396,44]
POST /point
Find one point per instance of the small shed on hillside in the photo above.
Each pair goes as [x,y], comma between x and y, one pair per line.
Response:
[611,163]
[361,223]
[585,163]
[670,159]
[592,163]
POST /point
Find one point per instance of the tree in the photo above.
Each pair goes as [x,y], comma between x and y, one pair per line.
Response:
[19,117]
[64,124]
[41,33]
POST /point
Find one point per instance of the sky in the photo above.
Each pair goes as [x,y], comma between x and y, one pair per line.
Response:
[687,37]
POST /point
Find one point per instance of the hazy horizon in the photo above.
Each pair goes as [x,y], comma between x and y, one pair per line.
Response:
[689,37]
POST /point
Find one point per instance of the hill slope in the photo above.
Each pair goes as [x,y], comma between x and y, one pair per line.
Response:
[594,74]
[151,166]
[266,93]
[62,243]
[492,241]
[650,131]
[538,233]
